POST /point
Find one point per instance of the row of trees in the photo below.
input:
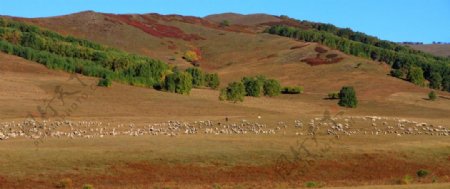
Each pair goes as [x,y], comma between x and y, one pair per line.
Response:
[391,53]
[200,78]
[77,55]
[255,86]
[87,58]
[183,81]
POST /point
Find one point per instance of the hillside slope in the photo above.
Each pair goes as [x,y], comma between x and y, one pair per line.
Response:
[233,52]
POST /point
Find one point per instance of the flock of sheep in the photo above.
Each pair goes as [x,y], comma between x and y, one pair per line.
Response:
[361,125]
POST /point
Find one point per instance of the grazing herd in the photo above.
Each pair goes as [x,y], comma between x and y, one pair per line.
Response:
[354,125]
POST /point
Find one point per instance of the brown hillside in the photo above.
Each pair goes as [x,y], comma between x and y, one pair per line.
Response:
[436,49]
[234,54]
[249,20]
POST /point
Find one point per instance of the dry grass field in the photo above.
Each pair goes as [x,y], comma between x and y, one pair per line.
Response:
[121,137]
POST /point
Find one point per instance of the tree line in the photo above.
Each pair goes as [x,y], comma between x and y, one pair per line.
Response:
[256,86]
[402,59]
[84,57]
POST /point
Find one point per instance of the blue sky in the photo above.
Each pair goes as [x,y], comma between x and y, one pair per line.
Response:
[395,20]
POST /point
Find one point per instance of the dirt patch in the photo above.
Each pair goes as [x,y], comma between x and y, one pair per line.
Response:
[299,46]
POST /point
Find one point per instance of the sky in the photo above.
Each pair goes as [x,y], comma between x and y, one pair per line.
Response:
[395,20]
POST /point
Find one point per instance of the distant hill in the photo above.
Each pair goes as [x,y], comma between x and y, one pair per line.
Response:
[249,20]
[436,49]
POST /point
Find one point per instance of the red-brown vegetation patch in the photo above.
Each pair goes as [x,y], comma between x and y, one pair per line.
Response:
[319,61]
[154,28]
[200,21]
[341,171]
[321,50]
[299,46]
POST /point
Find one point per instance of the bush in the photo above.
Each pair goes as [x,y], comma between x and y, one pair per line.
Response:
[415,75]
[88,186]
[406,180]
[347,97]
[253,86]
[311,184]
[225,23]
[397,73]
[271,87]
[333,95]
[198,77]
[235,91]
[65,183]
[178,82]
[292,90]
[432,95]
[212,81]
[422,173]
[191,56]
[104,82]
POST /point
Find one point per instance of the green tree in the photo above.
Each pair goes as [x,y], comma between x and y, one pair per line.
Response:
[347,97]
[212,80]
[435,80]
[252,86]
[235,92]
[272,87]
[415,75]
[432,95]
[198,77]
[178,82]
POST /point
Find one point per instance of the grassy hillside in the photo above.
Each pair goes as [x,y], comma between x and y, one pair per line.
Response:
[233,52]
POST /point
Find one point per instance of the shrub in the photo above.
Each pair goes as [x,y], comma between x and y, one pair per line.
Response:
[178,82]
[225,23]
[271,87]
[397,73]
[253,86]
[311,184]
[191,56]
[292,90]
[198,77]
[333,95]
[64,183]
[406,180]
[347,97]
[432,95]
[88,186]
[422,173]
[104,82]
[212,80]
[235,91]
[415,75]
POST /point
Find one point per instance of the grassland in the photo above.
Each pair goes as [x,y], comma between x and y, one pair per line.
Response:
[218,161]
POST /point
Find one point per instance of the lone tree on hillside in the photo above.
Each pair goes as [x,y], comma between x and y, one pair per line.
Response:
[234,92]
[347,97]
[415,75]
